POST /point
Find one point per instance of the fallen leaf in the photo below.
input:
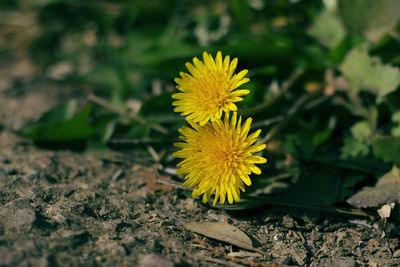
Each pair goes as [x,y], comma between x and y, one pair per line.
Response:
[223,232]
[384,212]
[150,176]
[386,190]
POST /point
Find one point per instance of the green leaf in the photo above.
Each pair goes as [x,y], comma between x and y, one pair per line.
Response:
[303,141]
[353,148]
[349,183]
[321,137]
[371,18]
[386,190]
[365,72]
[156,104]
[396,129]
[361,131]
[166,117]
[58,113]
[328,29]
[386,148]
[357,164]
[241,10]
[264,70]
[74,129]
[149,49]
[139,131]
[337,53]
[106,76]
[106,131]
[327,184]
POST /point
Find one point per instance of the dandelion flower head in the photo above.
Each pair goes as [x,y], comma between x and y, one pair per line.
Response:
[209,89]
[219,157]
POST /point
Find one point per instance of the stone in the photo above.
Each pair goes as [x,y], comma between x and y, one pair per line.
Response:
[155,260]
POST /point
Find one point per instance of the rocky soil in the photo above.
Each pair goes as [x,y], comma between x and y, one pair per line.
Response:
[103,208]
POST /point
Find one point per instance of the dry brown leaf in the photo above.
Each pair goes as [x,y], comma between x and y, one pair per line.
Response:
[223,232]
[385,211]
[150,176]
[386,190]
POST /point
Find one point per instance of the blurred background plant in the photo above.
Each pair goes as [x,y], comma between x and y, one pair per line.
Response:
[324,82]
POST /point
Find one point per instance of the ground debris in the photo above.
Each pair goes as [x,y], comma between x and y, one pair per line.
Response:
[155,260]
[17,215]
[336,262]
[65,208]
[223,232]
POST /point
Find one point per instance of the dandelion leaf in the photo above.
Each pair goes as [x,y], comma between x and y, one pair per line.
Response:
[63,128]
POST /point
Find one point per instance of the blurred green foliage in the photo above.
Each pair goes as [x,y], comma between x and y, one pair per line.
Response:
[343,108]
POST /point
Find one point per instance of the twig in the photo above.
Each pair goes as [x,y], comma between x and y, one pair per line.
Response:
[285,86]
[221,262]
[360,223]
[172,183]
[118,174]
[170,171]
[119,158]
[100,101]
[234,259]
[281,176]
[267,122]
[302,237]
[318,101]
[153,154]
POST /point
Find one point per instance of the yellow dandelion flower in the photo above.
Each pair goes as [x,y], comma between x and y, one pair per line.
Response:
[219,157]
[210,89]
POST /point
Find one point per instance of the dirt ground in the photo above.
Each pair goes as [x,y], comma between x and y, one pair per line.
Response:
[68,208]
